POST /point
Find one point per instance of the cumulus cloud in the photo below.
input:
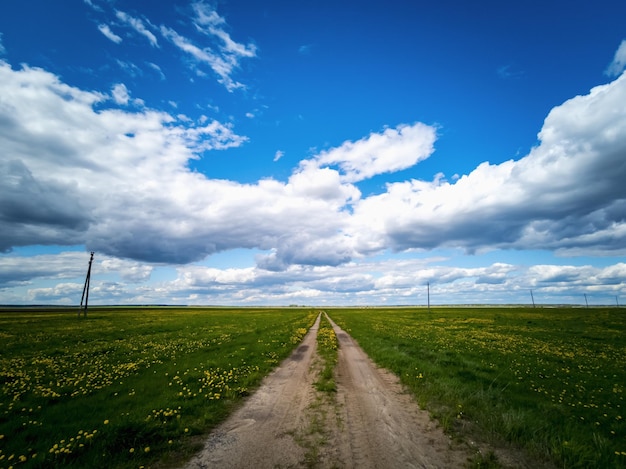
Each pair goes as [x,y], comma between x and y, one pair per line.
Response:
[566,194]
[68,168]
[119,182]
[75,172]
[395,281]
[120,94]
[106,30]
[384,281]
[18,270]
[22,270]
[618,64]
[379,153]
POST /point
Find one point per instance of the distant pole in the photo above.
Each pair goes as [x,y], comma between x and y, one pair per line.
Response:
[617,300]
[86,289]
[428,293]
[532,297]
[586,302]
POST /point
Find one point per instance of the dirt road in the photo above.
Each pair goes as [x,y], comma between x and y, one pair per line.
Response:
[368,423]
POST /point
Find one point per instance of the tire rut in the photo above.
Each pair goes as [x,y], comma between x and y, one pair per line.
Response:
[370,422]
[385,427]
[260,433]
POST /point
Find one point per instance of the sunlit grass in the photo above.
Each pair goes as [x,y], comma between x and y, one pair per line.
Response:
[327,350]
[548,380]
[126,387]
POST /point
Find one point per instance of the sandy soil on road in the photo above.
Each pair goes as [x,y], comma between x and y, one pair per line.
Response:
[369,423]
[384,427]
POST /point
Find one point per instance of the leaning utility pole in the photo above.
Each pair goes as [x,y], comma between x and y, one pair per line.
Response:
[532,298]
[428,292]
[86,289]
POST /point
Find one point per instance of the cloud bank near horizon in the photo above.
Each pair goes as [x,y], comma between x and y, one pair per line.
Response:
[369,282]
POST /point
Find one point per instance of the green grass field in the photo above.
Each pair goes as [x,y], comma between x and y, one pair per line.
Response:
[126,387]
[548,380]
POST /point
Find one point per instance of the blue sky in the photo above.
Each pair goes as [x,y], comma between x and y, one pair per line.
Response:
[327,153]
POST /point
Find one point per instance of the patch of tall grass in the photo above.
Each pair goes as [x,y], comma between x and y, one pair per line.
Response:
[127,387]
[548,380]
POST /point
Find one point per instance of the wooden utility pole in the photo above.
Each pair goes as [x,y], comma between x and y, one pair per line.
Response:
[428,293]
[86,289]
[532,298]
[586,302]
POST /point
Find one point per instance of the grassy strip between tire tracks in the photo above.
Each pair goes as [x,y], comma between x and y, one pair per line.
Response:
[327,350]
[315,436]
[548,380]
[128,387]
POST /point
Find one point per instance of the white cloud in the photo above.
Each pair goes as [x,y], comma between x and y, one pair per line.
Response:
[120,94]
[104,29]
[379,153]
[223,55]
[119,182]
[394,281]
[138,26]
[222,67]
[305,49]
[618,63]
[93,5]
[129,271]
[2,48]
[54,179]
[208,21]
[17,270]
[567,193]
[278,155]
[130,68]
[157,69]
[321,183]
[22,270]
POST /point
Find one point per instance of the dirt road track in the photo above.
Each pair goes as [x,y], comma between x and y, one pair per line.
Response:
[383,425]
[369,423]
